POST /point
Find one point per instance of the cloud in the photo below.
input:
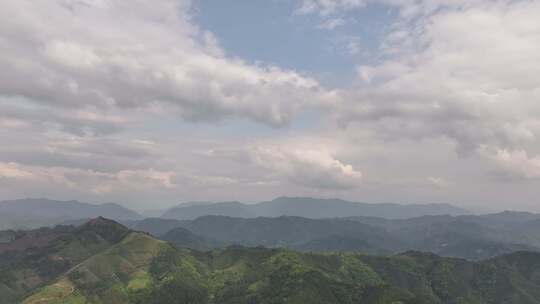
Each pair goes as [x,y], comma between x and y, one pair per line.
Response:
[311,168]
[308,166]
[19,113]
[92,107]
[332,23]
[87,180]
[332,13]
[87,59]
[12,170]
[88,153]
[466,72]
[100,183]
[326,7]
[438,182]
[353,45]
[513,164]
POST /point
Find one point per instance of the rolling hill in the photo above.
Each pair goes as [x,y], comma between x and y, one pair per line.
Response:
[104,262]
[24,268]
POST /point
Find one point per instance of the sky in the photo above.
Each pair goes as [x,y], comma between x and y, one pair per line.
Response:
[150,104]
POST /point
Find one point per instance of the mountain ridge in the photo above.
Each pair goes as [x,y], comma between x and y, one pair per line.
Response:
[310,208]
[469,237]
[138,268]
[36,212]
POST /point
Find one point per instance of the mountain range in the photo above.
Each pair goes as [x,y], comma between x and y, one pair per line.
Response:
[33,213]
[102,261]
[470,237]
[309,208]
[473,237]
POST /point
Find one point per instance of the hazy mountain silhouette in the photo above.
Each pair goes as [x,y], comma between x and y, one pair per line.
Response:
[470,237]
[309,208]
[34,212]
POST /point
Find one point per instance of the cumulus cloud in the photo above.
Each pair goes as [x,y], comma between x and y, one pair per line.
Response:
[89,104]
[312,168]
[86,58]
[305,165]
[460,70]
[513,164]
[466,72]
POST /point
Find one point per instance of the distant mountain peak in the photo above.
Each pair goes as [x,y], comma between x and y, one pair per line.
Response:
[111,204]
[305,198]
[100,220]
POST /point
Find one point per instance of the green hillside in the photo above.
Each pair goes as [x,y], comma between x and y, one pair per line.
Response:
[132,267]
[107,277]
[21,271]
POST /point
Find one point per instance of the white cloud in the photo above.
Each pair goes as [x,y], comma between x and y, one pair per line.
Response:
[331,24]
[88,180]
[12,170]
[90,105]
[106,182]
[438,182]
[17,112]
[310,165]
[155,55]
[326,7]
[466,73]
[513,164]
[354,46]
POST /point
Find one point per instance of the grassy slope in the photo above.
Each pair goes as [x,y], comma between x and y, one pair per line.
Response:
[22,272]
[107,277]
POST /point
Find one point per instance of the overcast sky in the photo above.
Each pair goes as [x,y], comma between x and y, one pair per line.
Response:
[153,103]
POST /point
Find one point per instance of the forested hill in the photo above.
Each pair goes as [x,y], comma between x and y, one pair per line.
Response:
[104,262]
